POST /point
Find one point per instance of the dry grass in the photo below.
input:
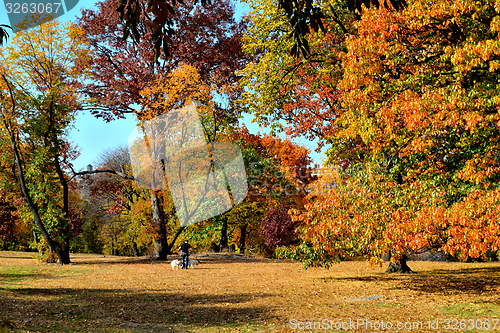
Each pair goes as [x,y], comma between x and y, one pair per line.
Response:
[116,294]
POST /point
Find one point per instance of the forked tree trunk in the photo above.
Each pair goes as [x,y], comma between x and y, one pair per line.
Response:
[399,265]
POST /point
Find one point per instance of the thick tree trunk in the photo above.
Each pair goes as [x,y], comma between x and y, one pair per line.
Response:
[223,234]
[4,245]
[160,246]
[62,254]
[243,236]
[399,266]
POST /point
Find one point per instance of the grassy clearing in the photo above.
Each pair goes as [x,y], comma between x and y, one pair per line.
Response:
[132,295]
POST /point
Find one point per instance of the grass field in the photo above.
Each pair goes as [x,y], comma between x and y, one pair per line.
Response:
[117,294]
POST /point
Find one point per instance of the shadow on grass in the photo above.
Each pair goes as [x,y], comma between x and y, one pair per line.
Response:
[14,277]
[20,257]
[112,260]
[474,280]
[97,310]
[17,255]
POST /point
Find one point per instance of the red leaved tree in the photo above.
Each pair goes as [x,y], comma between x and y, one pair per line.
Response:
[207,38]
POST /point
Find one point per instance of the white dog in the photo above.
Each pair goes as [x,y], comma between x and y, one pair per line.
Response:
[175,264]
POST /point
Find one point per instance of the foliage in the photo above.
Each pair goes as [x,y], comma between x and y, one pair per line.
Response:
[303,17]
[3,33]
[274,166]
[278,228]
[296,96]
[210,42]
[208,39]
[408,103]
[119,212]
[277,170]
[245,217]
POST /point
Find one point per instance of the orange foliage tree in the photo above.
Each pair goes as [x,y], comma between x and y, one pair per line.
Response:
[420,94]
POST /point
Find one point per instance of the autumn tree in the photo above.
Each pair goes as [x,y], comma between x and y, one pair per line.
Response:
[171,95]
[277,170]
[38,106]
[278,228]
[420,92]
[245,219]
[297,96]
[123,68]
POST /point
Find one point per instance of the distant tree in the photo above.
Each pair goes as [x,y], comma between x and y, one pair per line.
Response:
[116,201]
[278,170]
[278,229]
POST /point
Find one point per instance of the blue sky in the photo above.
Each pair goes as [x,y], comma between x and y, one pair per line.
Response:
[94,136]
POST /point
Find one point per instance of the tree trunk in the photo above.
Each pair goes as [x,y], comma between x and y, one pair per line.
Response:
[35,237]
[65,187]
[176,235]
[135,249]
[223,234]
[54,245]
[243,232]
[160,246]
[387,256]
[399,266]
[4,245]
[62,254]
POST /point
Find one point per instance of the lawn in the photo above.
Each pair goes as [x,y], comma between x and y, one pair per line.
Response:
[120,294]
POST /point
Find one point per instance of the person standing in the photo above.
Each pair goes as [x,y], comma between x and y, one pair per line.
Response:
[184,248]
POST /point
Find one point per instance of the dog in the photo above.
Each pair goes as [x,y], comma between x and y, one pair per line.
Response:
[192,262]
[175,264]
